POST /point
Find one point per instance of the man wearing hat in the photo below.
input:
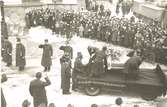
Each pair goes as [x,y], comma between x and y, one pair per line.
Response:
[46,56]
[67,49]
[37,90]
[78,69]
[20,55]
[7,52]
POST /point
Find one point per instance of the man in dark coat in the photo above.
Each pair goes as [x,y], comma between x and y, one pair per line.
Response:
[20,55]
[8,52]
[46,56]
[65,73]
[78,69]
[37,90]
[3,101]
[132,67]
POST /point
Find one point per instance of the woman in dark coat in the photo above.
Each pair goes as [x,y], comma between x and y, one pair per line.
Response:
[65,73]
[46,56]
[20,55]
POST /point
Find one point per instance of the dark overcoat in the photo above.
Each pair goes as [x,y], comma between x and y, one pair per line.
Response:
[65,74]
[46,56]
[98,65]
[38,92]
[8,52]
[20,55]
[132,65]
[78,68]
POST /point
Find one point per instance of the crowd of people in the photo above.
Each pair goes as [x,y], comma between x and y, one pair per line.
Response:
[97,25]
[102,26]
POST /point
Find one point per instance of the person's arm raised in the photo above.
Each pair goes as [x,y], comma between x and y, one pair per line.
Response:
[47,82]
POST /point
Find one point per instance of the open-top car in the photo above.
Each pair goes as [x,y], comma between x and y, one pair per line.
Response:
[150,84]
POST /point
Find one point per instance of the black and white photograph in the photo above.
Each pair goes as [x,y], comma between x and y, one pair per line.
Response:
[83,53]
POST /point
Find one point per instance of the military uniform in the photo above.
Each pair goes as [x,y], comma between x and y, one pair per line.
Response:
[46,56]
[67,50]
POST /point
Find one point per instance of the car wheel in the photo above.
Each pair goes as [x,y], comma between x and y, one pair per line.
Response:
[92,90]
[148,97]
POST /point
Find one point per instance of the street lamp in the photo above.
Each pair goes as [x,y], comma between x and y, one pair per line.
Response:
[4,31]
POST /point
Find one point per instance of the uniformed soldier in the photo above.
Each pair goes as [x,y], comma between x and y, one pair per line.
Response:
[20,55]
[47,55]
[8,52]
[67,49]
[65,73]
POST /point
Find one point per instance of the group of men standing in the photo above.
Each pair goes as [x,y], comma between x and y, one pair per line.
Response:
[6,53]
[7,49]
